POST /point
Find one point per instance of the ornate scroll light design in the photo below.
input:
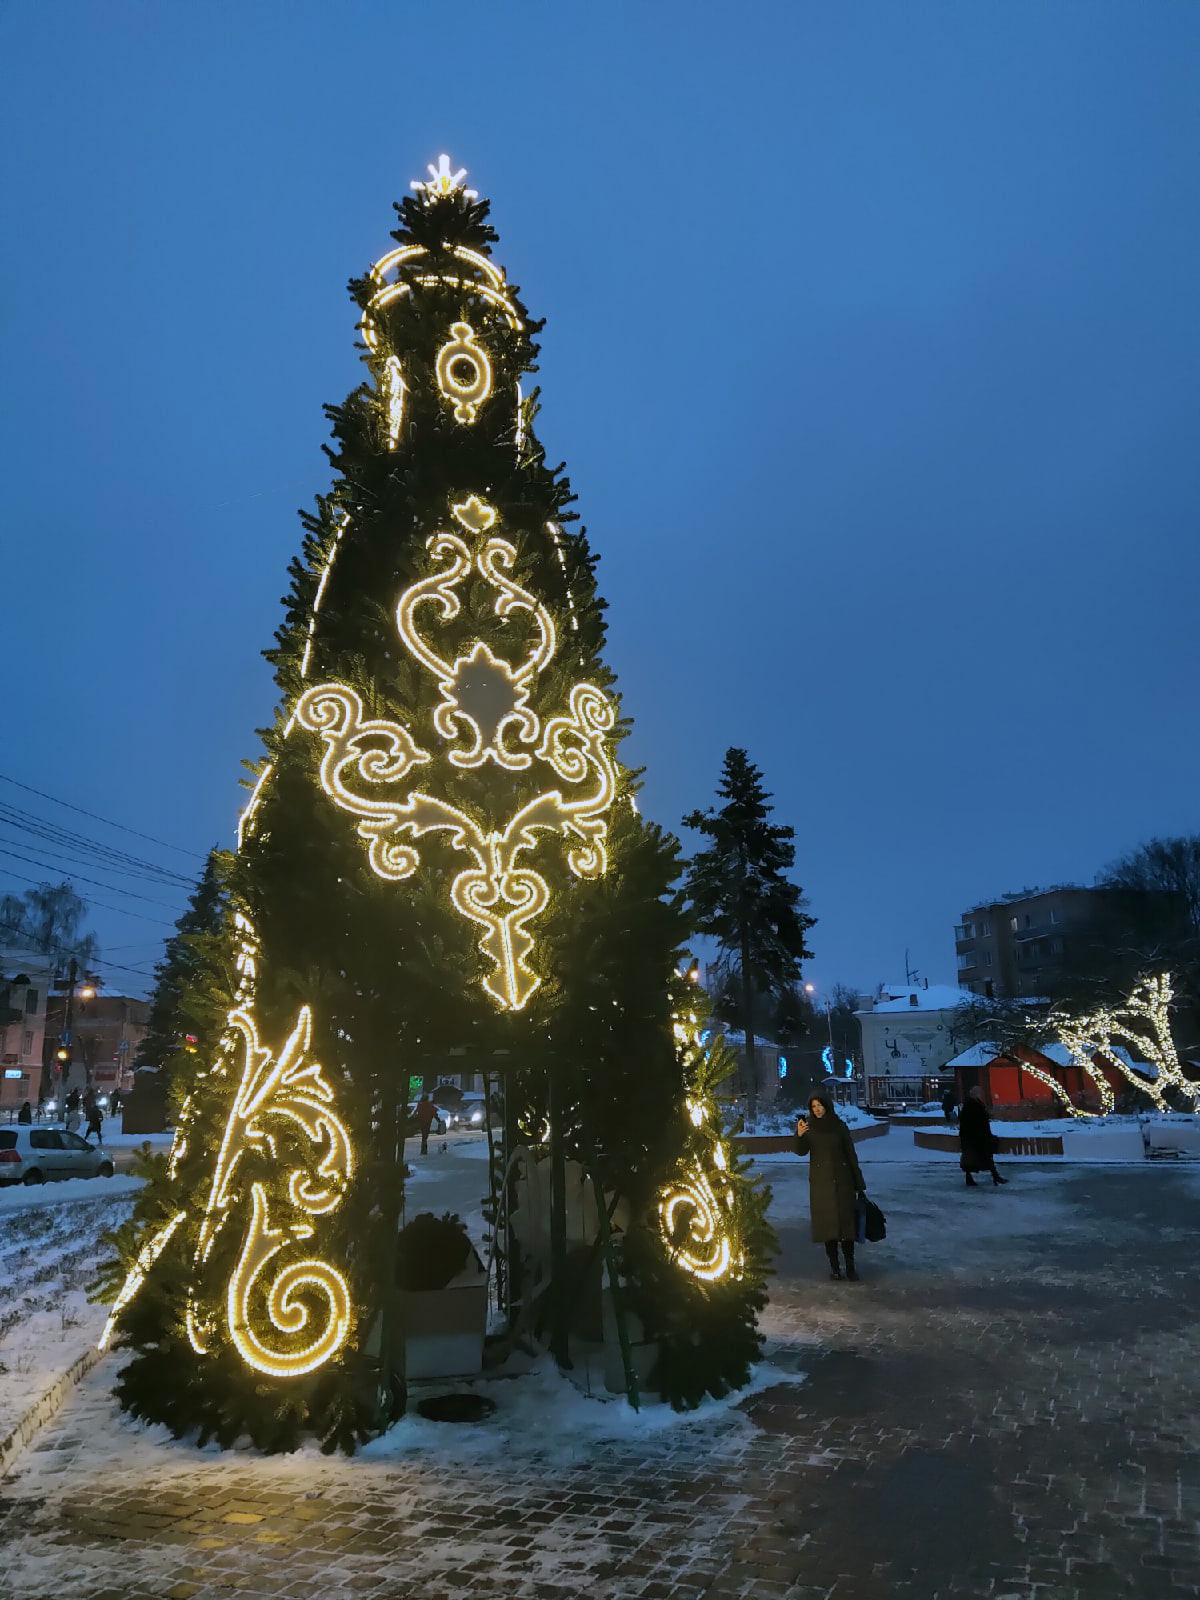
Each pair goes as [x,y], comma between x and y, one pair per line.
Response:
[696,1210]
[499,893]
[1142,1022]
[464,373]
[366,764]
[276,1095]
[353,748]
[499,691]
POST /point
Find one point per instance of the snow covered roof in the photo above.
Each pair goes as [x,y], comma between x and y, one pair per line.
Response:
[979,1055]
[1057,1052]
[899,997]
[735,1036]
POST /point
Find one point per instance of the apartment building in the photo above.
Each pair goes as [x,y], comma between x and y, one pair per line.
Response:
[24,983]
[1033,942]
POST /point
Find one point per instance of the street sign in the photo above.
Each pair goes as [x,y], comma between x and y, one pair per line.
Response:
[65,1037]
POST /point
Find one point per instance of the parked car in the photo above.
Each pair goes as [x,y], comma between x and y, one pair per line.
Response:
[472,1112]
[46,1155]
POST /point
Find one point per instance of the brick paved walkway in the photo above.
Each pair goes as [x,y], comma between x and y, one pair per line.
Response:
[1004,1407]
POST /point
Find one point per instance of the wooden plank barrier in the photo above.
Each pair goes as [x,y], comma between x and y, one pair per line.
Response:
[1026,1145]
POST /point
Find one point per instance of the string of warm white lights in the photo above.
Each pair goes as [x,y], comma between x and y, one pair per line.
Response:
[698,1225]
[1141,1025]
[146,1257]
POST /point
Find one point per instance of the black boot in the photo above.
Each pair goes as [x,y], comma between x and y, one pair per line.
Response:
[848,1252]
[996,1178]
[970,1181]
[831,1251]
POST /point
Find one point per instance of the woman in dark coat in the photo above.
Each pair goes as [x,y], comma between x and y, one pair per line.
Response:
[835,1181]
[976,1139]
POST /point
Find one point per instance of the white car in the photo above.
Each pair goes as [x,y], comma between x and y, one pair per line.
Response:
[47,1155]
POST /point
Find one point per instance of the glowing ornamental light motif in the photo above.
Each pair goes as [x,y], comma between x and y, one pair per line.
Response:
[695,1212]
[393,394]
[464,373]
[485,710]
[277,1096]
[146,1257]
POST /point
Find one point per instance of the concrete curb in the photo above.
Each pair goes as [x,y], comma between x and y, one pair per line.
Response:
[773,1144]
[39,1414]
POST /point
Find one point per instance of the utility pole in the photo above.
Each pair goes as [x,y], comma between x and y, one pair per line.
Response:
[62,1055]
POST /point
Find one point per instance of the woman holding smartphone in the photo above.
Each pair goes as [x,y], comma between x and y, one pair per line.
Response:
[835,1181]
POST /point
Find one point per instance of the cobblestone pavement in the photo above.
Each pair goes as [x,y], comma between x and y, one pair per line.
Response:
[1004,1407]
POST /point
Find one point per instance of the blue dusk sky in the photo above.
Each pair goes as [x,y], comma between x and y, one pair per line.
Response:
[872,349]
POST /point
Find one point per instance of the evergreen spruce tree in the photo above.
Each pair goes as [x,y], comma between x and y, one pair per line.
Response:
[441,850]
[743,899]
[193,986]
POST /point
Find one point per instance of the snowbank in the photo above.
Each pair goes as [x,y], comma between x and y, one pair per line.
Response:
[544,1416]
[17,1197]
[48,1255]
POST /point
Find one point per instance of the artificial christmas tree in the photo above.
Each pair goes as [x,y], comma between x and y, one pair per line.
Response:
[441,852]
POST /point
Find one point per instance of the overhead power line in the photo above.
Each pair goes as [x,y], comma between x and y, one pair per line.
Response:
[112,888]
[96,817]
[104,906]
[67,839]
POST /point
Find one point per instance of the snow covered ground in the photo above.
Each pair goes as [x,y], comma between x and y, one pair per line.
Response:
[49,1251]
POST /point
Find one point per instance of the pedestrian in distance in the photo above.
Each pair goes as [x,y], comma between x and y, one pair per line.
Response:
[976,1140]
[949,1105]
[95,1117]
[26,1113]
[835,1181]
[71,1107]
[426,1117]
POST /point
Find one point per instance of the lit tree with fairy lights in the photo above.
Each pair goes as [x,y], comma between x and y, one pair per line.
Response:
[441,851]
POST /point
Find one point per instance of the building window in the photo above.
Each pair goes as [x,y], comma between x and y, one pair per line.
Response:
[985,930]
[31,999]
[966,960]
[1028,920]
[1012,922]
[1054,916]
[27,1043]
[1056,945]
[987,958]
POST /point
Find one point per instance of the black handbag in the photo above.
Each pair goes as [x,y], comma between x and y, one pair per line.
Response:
[876,1223]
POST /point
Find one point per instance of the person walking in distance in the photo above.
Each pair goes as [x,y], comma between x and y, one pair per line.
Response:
[976,1139]
[835,1181]
[426,1117]
[91,1110]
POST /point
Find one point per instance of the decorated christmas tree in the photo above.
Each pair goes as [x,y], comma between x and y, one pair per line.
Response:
[441,852]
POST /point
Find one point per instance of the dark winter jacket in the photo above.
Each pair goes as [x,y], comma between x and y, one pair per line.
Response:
[834,1175]
[975,1137]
